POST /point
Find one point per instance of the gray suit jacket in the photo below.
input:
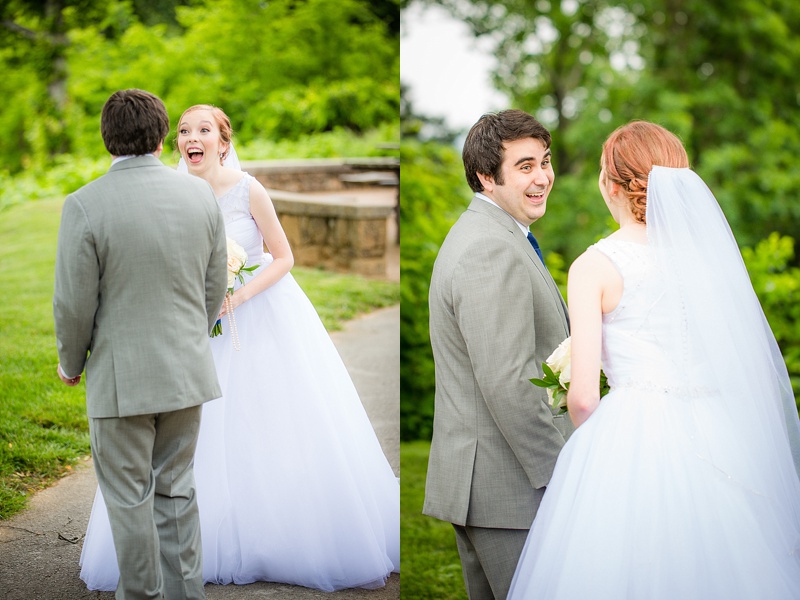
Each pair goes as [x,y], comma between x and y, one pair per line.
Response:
[495,316]
[141,273]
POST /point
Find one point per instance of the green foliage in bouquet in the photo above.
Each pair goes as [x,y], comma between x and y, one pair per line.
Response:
[557,371]
[557,392]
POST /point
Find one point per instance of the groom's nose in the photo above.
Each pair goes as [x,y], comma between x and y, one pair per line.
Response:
[540,177]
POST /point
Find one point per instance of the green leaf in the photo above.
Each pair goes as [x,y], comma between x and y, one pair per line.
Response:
[559,396]
[604,387]
[217,330]
[548,371]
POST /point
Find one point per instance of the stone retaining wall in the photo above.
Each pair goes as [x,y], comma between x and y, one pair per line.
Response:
[330,222]
[316,174]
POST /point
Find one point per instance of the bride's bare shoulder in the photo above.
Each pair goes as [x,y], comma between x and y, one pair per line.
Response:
[231,176]
[593,265]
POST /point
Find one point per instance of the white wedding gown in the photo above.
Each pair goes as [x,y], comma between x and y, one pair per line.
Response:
[657,495]
[292,484]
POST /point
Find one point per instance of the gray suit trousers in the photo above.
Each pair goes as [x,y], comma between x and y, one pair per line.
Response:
[489,559]
[144,469]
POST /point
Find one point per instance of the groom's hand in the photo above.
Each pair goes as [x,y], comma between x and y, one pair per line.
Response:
[70,381]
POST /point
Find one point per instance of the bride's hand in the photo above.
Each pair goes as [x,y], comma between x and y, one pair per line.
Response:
[232,302]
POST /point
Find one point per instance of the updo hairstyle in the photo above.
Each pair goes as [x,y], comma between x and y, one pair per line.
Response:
[629,154]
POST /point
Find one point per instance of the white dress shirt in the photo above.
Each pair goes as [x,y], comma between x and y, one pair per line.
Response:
[524,228]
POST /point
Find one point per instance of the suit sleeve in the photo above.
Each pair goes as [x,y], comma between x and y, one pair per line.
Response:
[494,304]
[77,285]
[217,271]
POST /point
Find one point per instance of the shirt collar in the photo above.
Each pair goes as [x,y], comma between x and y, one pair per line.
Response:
[127,156]
[490,201]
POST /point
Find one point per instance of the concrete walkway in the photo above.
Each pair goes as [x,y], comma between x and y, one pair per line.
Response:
[40,548]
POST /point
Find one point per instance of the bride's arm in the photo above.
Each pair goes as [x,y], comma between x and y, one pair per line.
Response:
[266,218]
[585,297]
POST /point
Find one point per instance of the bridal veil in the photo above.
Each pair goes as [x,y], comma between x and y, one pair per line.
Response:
[721,336]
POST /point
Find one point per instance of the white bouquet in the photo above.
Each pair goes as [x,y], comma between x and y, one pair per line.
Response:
[237,259]
[557,374]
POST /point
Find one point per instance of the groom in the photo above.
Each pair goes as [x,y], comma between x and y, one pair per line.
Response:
[141,273]
[495,316]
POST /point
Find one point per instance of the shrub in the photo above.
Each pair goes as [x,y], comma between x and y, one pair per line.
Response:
[433,193]
[777,285]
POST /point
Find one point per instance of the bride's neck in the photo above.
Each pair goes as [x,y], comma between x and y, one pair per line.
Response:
[626,219]
[215,177]
[629,227]
[222,179]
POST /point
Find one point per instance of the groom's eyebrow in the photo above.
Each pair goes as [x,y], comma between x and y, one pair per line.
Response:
[547,153]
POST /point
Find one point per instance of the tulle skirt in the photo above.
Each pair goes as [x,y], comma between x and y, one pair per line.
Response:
[292,484]
[642,506]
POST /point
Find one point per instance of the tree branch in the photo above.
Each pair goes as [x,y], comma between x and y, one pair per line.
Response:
[24,31]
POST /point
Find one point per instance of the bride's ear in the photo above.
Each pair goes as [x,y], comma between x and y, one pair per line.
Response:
[609,187]
[614,190]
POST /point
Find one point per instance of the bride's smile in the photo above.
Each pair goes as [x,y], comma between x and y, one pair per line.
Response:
[194,155]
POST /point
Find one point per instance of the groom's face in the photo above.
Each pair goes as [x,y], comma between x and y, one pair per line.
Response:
[527,177]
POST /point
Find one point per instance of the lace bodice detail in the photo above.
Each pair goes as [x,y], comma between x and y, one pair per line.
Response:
[635,332]
[239,223]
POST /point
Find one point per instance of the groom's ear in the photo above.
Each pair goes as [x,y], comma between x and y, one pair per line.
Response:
[160,148]
[487,181]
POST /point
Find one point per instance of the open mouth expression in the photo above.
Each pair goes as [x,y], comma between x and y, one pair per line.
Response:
[194,155]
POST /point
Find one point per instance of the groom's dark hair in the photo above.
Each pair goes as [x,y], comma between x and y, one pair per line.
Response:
[134,122]
[483,149]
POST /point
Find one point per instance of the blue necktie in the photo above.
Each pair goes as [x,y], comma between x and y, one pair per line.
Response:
[535,245]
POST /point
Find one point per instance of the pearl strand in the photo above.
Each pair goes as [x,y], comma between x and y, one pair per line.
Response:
[232,323]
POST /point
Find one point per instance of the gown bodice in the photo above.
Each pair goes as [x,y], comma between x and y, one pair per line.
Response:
[239,223]
[635,332]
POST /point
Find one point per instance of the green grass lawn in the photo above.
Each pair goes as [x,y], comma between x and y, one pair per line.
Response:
[431,569]
[43,427]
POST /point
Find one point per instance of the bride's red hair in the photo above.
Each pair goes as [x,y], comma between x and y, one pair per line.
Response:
[629,154]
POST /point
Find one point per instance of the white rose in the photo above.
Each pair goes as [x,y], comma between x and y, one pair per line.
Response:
[234,264]
[566,375]
[559,360]
[237,258]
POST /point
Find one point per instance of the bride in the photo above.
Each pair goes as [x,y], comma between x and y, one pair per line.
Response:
[292,484]
[681,482]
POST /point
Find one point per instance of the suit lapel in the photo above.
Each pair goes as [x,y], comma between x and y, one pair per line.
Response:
[507,221]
